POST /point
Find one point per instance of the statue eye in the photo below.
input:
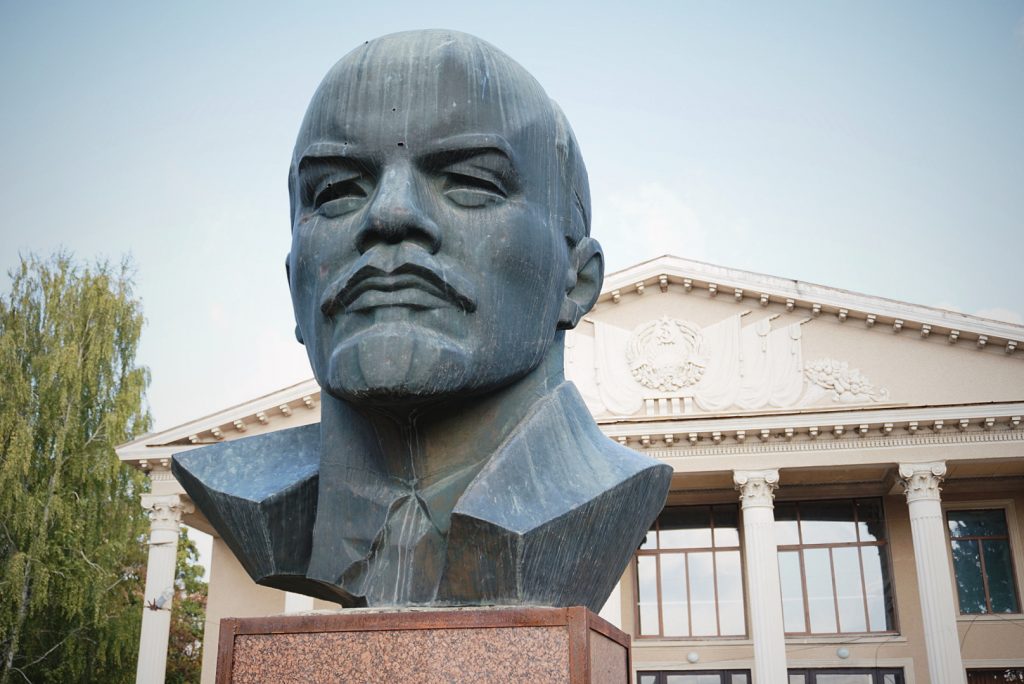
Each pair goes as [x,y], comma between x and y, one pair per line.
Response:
[471,191]
[339,197]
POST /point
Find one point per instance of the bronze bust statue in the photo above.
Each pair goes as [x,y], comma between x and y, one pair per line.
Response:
[440,248]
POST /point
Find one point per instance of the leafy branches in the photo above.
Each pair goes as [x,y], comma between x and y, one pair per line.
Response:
[70,551]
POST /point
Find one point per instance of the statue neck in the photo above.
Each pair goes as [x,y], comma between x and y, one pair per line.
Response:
[424,445]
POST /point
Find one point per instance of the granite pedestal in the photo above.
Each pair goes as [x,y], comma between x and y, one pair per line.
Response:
[521,644]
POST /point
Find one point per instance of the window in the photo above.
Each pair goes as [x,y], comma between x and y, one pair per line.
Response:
[847,676]
[689,576]
[982,562]
[695,677]
[834,567]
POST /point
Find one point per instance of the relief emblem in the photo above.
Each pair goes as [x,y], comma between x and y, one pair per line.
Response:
[666,354]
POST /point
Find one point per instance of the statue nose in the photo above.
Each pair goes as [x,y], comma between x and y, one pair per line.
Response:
[396,214]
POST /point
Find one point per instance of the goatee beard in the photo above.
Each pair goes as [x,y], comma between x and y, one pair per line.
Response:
[403,364]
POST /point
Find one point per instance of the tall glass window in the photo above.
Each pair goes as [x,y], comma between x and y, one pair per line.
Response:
[847,676]
[694,677]
[985,580]
[834,567]
[689,574]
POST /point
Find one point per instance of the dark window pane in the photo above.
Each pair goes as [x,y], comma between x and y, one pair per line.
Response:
[786,532]
[999,572]
[986,523]
[969,585]
[820,592]
[726,525]
[1001,676]
[879,591]
[702,594]
[849,590]
[870,520]
[647,581]
[792,593]
[827,522]
[730,594]
[674,607]
[685,528]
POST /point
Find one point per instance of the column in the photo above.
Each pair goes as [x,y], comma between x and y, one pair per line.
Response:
[165,513]
[757,492]
[934,583]
[297,603]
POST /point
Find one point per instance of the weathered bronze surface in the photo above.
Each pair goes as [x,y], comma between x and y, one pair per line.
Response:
[440,248]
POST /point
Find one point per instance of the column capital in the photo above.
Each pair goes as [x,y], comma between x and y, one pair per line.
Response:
[165,510]
[756,487]
[921,480]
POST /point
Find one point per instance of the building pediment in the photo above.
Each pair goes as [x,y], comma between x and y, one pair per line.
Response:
[288,407]
[672,337]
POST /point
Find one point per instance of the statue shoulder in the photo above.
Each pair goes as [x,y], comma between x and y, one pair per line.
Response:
[555,517]
[260,494]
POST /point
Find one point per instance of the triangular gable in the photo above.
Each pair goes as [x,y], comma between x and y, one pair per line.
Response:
[673,337]
[291,406]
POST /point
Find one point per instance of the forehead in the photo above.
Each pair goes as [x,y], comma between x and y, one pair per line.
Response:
[422,87]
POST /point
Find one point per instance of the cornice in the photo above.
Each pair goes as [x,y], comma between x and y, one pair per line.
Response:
[956,422]
[674,274]
[281,407]
[888,428]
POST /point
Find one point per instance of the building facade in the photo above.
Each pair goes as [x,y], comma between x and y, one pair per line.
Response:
[849,476]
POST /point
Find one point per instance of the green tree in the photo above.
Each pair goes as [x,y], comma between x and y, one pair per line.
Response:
[71,528]
[188,618]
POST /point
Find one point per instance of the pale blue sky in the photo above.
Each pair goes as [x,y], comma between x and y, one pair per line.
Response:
[874,146]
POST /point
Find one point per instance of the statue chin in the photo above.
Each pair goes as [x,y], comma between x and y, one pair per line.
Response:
[399,366]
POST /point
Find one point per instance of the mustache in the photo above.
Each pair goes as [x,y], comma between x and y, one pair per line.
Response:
[408,269]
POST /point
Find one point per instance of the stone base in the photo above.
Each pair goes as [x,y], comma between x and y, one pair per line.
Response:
[570,645]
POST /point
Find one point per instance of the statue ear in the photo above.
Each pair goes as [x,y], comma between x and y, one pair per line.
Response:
[586,274]
[288,275]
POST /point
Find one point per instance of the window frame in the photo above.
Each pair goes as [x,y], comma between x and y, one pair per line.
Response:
[810,673]
[884,548]
[662,675]
[657,553]
[1013,535]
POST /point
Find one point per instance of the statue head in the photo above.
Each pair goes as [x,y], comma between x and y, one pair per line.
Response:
[440,222]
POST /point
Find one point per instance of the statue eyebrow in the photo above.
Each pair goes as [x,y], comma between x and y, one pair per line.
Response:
[332,154]
[466,149]
[492,141]
[461,147]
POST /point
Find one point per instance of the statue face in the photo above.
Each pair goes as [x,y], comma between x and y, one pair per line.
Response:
[429,255]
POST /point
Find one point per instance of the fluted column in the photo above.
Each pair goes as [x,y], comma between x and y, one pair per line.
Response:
[165,513]
[297,603]
[934,583]
[757,492]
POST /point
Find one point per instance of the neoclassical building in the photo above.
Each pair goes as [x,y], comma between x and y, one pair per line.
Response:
[845,509]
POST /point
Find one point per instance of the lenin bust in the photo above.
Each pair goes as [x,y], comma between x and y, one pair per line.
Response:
[440,250]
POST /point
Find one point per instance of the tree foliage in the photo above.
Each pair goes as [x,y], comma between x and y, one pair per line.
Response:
[188,619]
[71,527]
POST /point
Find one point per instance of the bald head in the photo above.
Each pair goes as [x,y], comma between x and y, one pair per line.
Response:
[416,88]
